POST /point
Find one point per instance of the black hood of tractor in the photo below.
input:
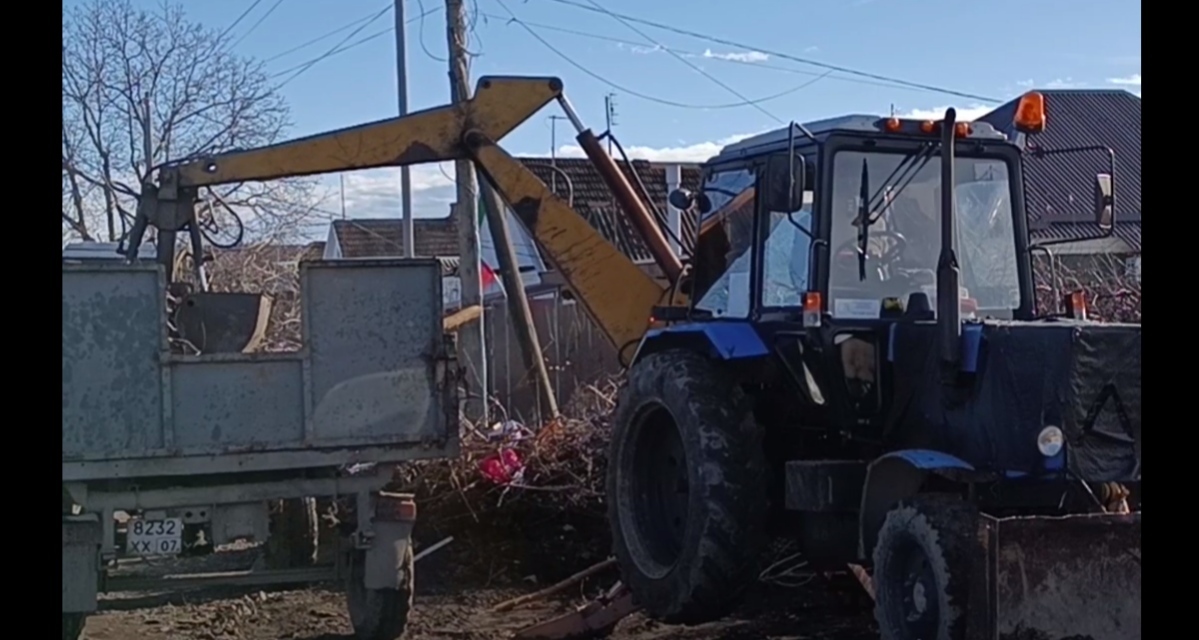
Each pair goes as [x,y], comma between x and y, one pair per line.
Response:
[1082,377]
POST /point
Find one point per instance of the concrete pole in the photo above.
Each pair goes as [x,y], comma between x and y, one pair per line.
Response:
[674,180]
[402,90]
[471,337]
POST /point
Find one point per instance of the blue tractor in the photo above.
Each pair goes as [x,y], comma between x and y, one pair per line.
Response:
[862,366]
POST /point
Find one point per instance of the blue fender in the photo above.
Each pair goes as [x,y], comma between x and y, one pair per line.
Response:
[926,459]
[723,340]
[896,476]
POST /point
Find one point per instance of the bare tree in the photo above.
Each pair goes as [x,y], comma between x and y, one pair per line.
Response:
[1112,288]
[141,88]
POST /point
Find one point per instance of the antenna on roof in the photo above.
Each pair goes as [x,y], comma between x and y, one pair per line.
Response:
[610,117]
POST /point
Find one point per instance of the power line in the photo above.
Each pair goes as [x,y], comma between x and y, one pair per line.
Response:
[694,67]
[317,39]
[761,65]
[779,54]
[308,65]
[260,20]
[421,33]
[637,94]
[342,47]
[239,19]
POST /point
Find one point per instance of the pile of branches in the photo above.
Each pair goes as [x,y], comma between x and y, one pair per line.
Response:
[558,464]
[545,515]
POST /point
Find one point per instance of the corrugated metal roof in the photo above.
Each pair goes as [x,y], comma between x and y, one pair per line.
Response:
[1059,188]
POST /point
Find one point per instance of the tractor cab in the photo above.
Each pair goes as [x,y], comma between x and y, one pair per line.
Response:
[869,256]
[862,241]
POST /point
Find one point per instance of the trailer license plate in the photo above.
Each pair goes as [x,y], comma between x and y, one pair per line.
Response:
[154,537]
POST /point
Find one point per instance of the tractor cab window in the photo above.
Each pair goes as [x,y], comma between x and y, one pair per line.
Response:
[725,246]
[903,237]
[787,254]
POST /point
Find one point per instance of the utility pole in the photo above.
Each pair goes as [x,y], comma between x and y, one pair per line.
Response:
[610,117]
[341,178]
[471,341]
[518,301]
[402,89]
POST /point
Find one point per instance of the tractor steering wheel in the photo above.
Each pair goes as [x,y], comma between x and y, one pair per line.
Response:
[846,256]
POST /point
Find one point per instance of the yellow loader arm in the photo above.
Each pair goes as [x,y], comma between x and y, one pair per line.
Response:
[617,293]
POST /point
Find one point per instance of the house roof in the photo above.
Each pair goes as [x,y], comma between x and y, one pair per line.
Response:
[1059,188]
[577,181]
[573,179]
[376,237]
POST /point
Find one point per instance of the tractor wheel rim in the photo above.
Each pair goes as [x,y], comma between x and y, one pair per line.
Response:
[920,610]
[661,494]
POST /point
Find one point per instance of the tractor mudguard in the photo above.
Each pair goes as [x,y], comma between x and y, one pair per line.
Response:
[723,340]
[1052,578]
[896,476]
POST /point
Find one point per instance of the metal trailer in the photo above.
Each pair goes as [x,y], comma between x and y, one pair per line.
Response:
[206,441]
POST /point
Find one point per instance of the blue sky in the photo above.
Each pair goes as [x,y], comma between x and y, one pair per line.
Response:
[984,49]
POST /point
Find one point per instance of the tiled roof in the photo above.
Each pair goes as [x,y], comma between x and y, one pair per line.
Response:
[1059,188]
[573,179]
[371,238]
[577,181]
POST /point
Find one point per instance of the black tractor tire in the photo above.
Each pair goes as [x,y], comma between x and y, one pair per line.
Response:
[379,614]
[72,625]
[922,570]
[294,534]
[686,488]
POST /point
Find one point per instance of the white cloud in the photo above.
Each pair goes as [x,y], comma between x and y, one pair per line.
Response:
[640,49]
[698,152]
[738,56]
[375,193]
[730,56]
[1056,83]
[968,113]
[1062,83]
[1130,81]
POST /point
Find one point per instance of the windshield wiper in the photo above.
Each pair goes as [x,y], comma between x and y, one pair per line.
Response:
[907,170]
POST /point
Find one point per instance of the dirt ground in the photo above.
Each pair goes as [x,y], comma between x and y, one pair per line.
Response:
[318,613]
[445,609]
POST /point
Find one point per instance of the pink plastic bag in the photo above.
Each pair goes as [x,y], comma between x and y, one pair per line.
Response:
[501,467]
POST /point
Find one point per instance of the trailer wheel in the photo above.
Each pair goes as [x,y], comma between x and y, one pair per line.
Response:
[294,533]
[686,489]
[72,625]
[378,614]
[921,571]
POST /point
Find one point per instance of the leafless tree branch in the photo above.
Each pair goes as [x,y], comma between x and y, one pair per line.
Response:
[143,87]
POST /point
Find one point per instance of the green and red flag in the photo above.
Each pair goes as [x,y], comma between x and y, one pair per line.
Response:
[487,277]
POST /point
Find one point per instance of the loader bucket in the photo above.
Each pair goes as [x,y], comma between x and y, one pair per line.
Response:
[224,322]
[1065,578]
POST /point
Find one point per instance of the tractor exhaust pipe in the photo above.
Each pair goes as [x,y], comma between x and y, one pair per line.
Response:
[949,309]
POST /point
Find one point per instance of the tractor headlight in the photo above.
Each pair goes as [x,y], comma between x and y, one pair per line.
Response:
[1050,441]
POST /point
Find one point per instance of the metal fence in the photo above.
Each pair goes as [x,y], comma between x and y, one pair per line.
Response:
[575,351]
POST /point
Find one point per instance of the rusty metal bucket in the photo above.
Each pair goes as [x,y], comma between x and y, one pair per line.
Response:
[224,322]
[1063,578]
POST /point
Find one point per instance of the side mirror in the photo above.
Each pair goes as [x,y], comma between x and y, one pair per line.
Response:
[684,199]
[681,199]
[1105,209]
[784,183]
